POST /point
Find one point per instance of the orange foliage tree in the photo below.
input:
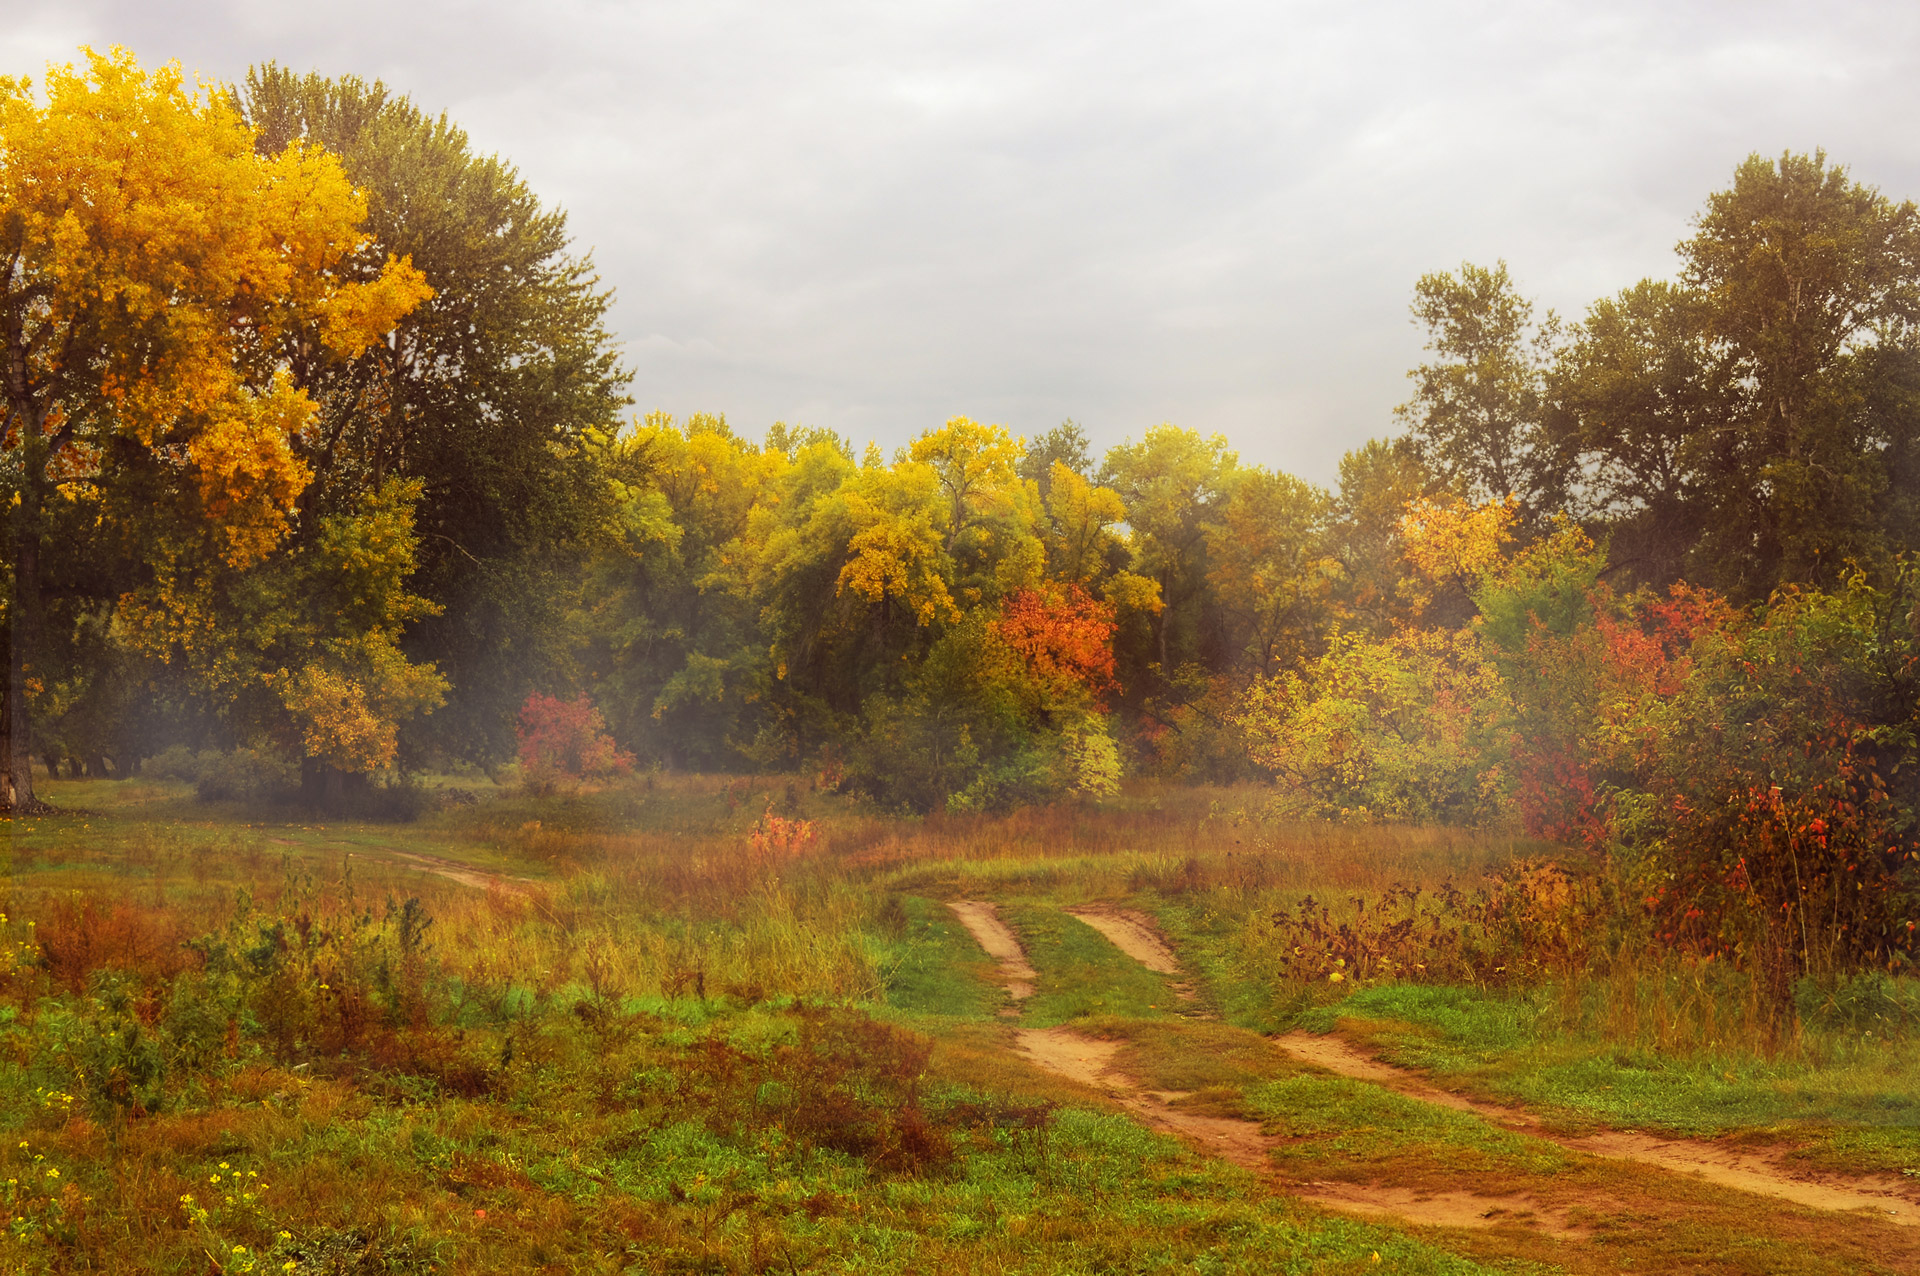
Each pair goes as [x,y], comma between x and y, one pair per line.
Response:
[1063,637]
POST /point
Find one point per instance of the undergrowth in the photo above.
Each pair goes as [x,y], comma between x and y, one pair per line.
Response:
[730,1025]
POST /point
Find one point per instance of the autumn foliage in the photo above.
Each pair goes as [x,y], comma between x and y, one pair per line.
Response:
[1749,776]
[566,740]
[1063,638]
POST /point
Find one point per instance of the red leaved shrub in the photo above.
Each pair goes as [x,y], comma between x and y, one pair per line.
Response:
[566,739]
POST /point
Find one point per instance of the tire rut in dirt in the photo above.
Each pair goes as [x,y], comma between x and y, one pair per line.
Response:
[1724,1166]
[998,941]
[1089,1062]
[1138,936]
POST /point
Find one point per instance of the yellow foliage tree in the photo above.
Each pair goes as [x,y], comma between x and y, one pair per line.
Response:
[1450,544]
[156,270]
[895,554]
[974,463]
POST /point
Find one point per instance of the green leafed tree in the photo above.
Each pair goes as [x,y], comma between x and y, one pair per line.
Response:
[1478,408]
[492,395]
[1811,288]
[675,648]
[1172,483]
[1642,398]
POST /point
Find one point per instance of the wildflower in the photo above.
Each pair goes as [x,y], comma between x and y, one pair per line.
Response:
[1335,977]
[53,1173]
[480,1215]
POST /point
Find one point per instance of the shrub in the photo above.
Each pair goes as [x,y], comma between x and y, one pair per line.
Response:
[1777,787]
[78,938]
[566,740]
[175,762]
[116,1062]
[244,775]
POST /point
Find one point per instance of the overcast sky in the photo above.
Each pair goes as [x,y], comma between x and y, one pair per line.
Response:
[876,216]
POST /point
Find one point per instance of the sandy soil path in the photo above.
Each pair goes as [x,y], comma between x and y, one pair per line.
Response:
[1746,1170]
[1135,934]
[982,921]
[466,874]
[1090,1062]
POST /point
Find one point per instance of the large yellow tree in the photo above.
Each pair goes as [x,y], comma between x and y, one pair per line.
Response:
[155,272]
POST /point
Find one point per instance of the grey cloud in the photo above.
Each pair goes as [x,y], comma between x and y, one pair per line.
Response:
[874,216]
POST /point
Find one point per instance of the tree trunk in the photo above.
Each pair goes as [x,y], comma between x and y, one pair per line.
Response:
[6,736]
[1166,610]
[26,621]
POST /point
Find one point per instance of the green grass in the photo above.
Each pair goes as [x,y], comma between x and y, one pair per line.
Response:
[1081,973]
[937,969]
[1859,1111]
[1361,1128]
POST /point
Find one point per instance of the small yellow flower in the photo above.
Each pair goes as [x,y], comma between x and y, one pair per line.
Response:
[53,1174]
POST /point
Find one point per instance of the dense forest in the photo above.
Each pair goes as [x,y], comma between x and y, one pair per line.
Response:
[322,473]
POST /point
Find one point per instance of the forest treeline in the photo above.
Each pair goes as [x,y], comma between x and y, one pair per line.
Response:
[320,472]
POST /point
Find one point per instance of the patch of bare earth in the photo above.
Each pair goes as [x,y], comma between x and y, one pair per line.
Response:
[452,870]
[1135,934]
[1745,1170]
[1090,1062]
[465,874]
[982,921]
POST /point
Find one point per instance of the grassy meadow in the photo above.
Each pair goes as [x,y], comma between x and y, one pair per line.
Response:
[693,1024]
